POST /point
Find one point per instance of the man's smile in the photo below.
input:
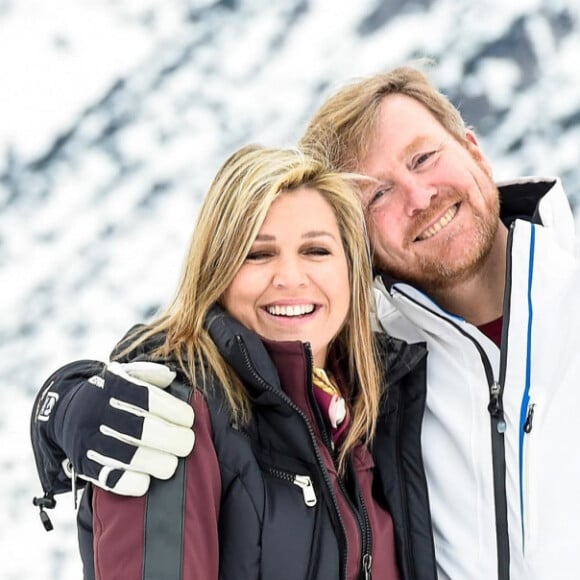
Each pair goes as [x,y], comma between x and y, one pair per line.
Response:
[436,227]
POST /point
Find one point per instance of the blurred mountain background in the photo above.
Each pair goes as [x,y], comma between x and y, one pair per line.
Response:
[115,115]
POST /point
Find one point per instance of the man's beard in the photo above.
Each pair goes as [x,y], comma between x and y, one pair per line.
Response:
[433,273]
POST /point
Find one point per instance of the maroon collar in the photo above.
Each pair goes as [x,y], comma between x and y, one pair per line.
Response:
[293,365]
[493,330]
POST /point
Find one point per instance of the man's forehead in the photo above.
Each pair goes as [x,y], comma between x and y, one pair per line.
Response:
[381,153]
[403,126]
[405,117]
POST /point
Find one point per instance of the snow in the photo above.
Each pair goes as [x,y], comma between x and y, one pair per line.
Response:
[117,113]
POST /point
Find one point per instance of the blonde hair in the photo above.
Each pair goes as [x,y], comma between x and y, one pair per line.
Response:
[229,220]
[345,123]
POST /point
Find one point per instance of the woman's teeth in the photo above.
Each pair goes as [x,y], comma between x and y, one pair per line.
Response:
[297,310]
[437,227]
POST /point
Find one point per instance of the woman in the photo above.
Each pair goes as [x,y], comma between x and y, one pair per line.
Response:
[270,336]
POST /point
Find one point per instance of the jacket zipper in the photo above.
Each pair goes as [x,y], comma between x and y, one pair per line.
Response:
[498,427]
[366,566]
[304,482]
[319,459]
[362,518]
[498,437]
[365,530]
[367,541]
[529,418]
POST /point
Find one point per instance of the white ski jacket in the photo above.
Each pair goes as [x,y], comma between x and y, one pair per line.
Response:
[501,430]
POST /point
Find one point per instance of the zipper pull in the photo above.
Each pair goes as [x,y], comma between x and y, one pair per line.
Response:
[305,484]
[48,502]
[494,407]
[367,561]
[529,419]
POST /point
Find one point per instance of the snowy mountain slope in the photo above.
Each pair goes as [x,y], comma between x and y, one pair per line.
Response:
[115,115]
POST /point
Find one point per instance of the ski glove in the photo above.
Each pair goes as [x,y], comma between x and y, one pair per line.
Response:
[112,425]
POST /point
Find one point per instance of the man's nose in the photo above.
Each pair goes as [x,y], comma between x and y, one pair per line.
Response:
[418,194]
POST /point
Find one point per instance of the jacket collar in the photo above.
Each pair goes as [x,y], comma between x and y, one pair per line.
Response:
[253,361]
[398,357]
[253,357]
[520,198]
[243,349]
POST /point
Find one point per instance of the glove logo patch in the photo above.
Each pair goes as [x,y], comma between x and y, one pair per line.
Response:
[47,406]
[97,381]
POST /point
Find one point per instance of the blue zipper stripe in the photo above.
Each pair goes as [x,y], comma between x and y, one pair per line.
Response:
[526,396]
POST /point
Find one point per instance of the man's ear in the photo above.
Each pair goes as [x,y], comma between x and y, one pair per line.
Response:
[474,149]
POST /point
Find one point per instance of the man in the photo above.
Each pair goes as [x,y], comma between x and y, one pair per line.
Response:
[494,299]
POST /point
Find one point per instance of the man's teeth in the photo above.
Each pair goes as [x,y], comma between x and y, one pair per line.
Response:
[437,227]
[297,310]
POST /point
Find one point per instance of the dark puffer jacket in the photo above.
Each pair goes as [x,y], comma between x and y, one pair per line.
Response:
[269,526]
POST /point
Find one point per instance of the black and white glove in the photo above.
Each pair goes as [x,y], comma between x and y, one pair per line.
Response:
[112,425]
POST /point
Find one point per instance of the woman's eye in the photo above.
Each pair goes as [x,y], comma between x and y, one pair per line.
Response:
[318,251]
[256,255]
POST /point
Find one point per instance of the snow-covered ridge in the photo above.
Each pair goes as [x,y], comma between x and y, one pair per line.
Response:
[116,114]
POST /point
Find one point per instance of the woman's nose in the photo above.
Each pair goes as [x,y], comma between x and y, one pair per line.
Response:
[290,273]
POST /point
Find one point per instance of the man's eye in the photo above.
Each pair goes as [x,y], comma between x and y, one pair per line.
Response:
[424,158]
[378,195]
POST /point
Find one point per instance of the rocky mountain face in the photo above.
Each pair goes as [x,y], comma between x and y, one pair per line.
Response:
[115,135]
